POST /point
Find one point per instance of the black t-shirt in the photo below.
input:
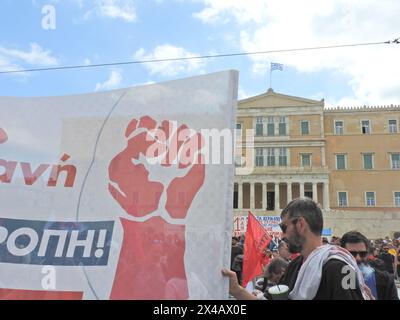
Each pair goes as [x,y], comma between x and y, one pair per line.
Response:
[385,286]
[236,250]
[388,259]
[330,287]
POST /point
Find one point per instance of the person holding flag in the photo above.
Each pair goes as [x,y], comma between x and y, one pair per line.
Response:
[256,241]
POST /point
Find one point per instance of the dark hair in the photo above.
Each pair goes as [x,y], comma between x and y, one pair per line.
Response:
[281,244]
[309,210]
[371,250]
[276,265]
[378,264]
[354,237]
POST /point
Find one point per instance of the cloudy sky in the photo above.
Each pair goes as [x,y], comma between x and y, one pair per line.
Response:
[104,31]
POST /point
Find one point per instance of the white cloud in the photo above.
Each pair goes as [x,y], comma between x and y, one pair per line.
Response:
[11,59]
[113,82]
[36,56]
[7,65]
[242,94]
[115,9]
[170,68]
[268,25]
[242,10]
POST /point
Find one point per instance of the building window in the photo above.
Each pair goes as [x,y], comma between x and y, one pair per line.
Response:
[306,160]
[342,198]
[259,126]
[238,135]
[368,161]
[305,127]
[236,199]
[283,157]
[271,126]
[282,126]
[397,199]
[365,127]
[338,127]
[393,126]
[395,159]
[370,199]
[239,130]
[259,157]
[341,162]
[270,157]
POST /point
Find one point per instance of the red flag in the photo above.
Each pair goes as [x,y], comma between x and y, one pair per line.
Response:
[256,239]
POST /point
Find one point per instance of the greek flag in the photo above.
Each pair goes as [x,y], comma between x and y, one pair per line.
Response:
[276,66]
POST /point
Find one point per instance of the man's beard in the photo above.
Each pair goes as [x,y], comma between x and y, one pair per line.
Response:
[363,262]
[295,245]
[294,248]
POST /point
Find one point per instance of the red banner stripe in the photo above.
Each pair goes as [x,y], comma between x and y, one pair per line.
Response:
[15,294]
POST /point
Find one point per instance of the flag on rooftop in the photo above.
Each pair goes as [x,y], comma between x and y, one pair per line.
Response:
[276,66]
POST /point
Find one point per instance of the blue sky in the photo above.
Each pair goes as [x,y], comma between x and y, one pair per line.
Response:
[102,31]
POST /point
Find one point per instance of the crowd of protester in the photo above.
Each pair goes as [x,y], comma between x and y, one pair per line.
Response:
[382,255]
[378,260]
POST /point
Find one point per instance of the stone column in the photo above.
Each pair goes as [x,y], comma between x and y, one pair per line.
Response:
[315,192]
[252,206]
[277,198]
[301,189]
[264,195]
[240,195]
[326,196]
[289,192]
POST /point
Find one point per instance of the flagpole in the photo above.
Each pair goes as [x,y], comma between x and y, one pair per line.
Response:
[270,73]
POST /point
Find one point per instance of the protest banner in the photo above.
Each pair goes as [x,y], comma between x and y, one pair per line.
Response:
[270,223]
[124,194]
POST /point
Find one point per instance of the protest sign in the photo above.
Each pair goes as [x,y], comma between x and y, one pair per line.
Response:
[125,194]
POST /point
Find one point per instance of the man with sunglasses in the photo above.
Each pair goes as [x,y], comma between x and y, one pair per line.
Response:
[381,283]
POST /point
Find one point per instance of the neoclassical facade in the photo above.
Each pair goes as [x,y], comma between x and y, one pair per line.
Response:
[346,159]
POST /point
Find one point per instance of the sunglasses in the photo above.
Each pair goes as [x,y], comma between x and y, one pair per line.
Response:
[284,226]
[362,254]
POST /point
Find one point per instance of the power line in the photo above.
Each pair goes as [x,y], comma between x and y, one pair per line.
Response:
[395,41]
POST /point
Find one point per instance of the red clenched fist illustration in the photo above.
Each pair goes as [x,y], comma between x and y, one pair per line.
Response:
[3,136]
[154,180]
